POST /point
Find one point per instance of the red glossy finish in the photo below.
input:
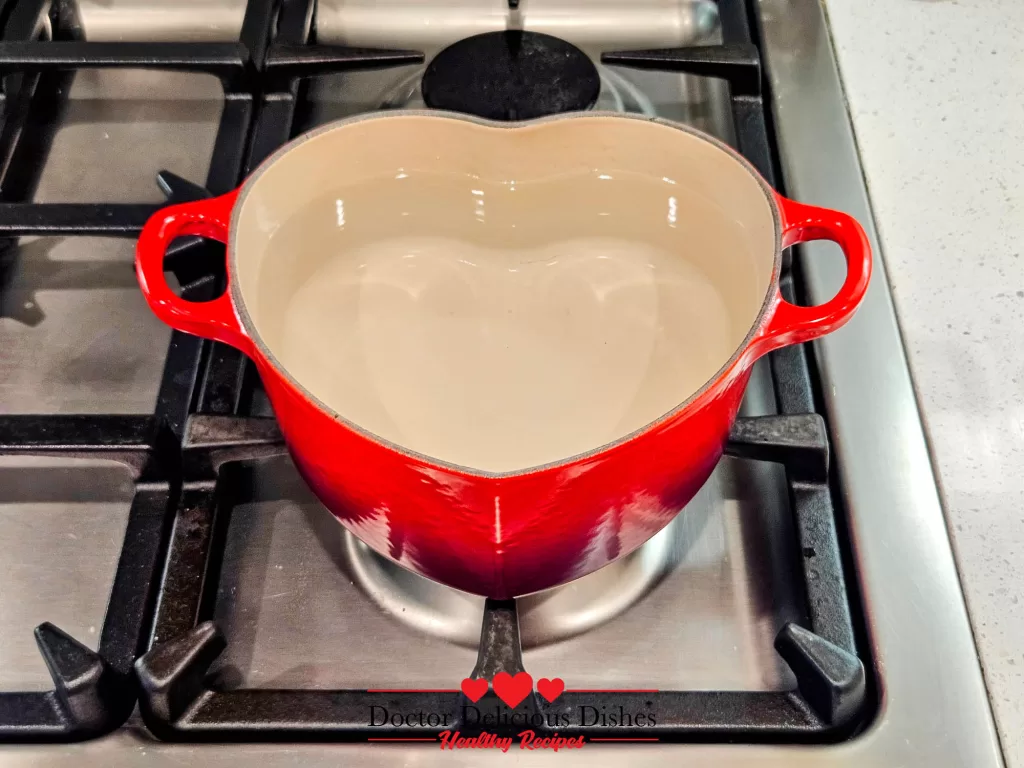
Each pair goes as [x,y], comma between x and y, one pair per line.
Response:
[507,535]
[208,218]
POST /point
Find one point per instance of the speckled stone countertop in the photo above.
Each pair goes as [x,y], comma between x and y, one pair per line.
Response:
[936,90]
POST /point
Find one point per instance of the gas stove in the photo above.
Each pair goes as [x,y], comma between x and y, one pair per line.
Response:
[191,599]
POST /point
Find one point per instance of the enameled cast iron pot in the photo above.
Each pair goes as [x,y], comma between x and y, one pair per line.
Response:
[504,355]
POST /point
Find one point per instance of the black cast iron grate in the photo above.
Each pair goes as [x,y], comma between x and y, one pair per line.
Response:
[183,456]
[94,693]
[178,705]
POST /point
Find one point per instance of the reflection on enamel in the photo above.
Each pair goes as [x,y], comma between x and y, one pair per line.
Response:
[401,175]
[560,320]
[667,180]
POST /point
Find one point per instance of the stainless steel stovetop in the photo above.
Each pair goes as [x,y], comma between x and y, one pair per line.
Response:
[698,608]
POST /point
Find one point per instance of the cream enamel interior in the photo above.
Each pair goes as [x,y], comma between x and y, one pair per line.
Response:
[496,297]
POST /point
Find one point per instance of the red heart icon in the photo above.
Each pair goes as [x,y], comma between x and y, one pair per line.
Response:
[550,689]
[474,688]
[512,690]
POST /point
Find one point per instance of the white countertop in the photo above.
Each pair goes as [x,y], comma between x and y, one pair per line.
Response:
[936,90]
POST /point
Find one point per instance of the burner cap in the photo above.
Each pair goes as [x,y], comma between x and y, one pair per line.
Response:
[511,75]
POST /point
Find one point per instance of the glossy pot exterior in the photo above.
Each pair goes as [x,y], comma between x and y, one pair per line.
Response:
[510,534]
[507,535]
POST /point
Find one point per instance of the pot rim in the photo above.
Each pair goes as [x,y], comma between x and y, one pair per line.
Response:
[249,327]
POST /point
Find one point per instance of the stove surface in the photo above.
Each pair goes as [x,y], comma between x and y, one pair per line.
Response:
[305,606]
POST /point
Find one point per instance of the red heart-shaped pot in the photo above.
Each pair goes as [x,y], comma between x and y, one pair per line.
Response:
[504,354]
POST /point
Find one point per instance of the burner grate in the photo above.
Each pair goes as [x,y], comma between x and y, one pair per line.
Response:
[94,692]
[183,456]
[178,705]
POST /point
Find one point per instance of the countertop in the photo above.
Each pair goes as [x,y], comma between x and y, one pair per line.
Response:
[936,92]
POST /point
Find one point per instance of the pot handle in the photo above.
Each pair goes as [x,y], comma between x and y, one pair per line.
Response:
[803,223]
[214,319]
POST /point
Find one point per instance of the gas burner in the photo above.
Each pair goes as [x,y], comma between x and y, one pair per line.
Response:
[617,94]
[545,617]
[511,75]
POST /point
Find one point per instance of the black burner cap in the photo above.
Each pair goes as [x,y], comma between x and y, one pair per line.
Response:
[511,75]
